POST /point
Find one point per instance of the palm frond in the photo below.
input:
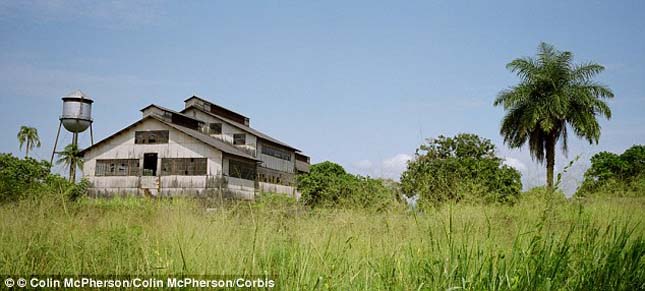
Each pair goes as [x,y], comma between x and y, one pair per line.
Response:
[554,97]
[584,72]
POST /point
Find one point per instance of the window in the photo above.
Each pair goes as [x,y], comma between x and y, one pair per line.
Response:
[183,167]
[117,167]
[239,139]
[273,177]
[243,170]
[151,137]
[215,128]
[276,152]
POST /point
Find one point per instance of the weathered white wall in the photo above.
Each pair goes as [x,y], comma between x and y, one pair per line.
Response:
[153,110]
[245,189]
[253,144]
[228,130]
[275,188]
[179,145]
[276,163]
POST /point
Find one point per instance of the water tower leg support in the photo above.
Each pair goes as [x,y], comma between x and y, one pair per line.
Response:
[51,161]
[91,134]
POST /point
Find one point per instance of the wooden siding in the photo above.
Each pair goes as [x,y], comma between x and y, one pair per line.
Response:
[181,145]
[178,146]
[302,166]
[276,164]
[228,130]
[216,109]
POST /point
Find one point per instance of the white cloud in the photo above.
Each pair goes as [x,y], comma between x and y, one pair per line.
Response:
[388,168]
[394,166]
[515,163]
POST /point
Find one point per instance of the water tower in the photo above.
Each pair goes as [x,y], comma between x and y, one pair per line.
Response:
[76,118]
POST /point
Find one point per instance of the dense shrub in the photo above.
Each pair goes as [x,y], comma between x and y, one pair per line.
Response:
[18,177]
[328,184]
[457,168]
[22,178]
[612,173]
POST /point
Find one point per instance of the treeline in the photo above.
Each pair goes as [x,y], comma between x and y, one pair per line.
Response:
[463,168]
[616,174]
[460,168]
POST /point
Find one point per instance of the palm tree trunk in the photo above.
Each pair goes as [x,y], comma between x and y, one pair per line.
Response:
[72,175]
[27,149]
[72,165]
[550,160]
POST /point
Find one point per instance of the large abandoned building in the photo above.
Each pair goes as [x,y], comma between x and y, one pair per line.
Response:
[204,149]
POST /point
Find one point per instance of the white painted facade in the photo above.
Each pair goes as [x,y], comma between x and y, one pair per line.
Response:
[228,130]
[253,145]
[190,137]
[180,145]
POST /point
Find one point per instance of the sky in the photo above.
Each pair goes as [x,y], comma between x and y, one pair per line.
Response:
[360,83]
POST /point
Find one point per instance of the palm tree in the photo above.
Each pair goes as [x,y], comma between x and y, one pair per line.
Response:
[28,135]
[553,96]
[71,158]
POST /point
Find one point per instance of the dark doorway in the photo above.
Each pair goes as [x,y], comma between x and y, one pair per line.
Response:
[150,164]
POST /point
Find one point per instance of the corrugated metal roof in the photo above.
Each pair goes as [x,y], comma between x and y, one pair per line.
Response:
[218,144]
[243,127]
[169,110]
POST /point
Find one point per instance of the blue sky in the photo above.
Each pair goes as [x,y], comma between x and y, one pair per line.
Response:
[361,83]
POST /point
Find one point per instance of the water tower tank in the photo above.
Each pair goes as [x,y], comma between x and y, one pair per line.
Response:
[77,111]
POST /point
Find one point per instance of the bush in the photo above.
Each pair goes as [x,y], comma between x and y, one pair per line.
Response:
[327,184]
[28,178]
[610,173]
[458,168]
[18,177]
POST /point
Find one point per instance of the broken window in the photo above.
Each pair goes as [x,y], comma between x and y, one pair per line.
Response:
[151,137]
[215,128]
[242,170]
[186,121]
[276,152]
[117,167]
[239,139]
[183,166]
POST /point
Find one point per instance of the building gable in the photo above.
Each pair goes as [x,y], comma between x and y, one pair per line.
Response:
[188,133]
[256,133]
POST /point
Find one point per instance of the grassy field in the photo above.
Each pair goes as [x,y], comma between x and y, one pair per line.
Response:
[570,245]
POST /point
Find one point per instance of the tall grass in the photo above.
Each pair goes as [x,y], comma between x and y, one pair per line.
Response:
[572,245]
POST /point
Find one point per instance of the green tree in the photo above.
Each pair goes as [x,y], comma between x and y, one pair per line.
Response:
[457,168]
[70,157]
[29,136]
[19,177]
[327,184]
[553,96]
[610,172]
